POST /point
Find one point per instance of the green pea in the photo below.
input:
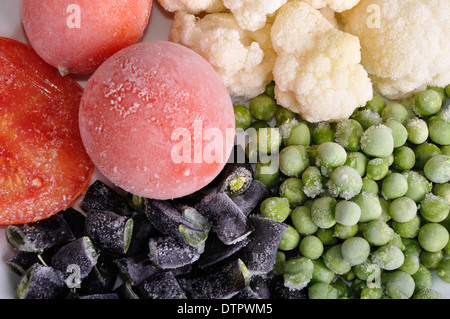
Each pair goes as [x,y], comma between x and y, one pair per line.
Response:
[427,102]
[355,250]
[442,190]
[329,156]
[299,134]
[242,116]
[275,208]
[322,132]
[344,182]
[433,237]
[440,91]
[302,220]
[434,208]
[403,209]
[312,181]
[447,90]
[431,259]
[377,141]
[298,272]
[377,169]
[411,246]
[428,294]
[422,278]
[395,111]
[409,229]
[369,185]
[259,124]
[411,264]
[371,293]
[443,270]
[292,189]
[342,288]
[311,247]
[321,272]
[439,128]
[345,232]
[284,115]
[270,89]
[399,132]
[378,233]
[367,118]
[334,260]
[418,185]
[423,152]
[262,107]
[394,185]
[322,212]
[367,271]
[348,134]
[327,236]
[370,206]
[388,257]
[293,160]
[404,158]
[376,104]
[445,150]
[322,290]
[417,130]
[358,161]
[290,239]
[347,213]
[267,140]
[267,173]
[437,169]
[280,262]
[400,285]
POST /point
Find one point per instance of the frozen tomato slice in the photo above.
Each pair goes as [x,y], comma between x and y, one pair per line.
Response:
[43,163]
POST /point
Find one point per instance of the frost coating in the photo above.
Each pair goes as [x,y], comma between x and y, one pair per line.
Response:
[192,6]
[317,70]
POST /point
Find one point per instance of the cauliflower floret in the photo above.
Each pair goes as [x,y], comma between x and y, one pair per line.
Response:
[243,59]
[335,5]
[192,6]
[404,43]
[252,14]
[317,71]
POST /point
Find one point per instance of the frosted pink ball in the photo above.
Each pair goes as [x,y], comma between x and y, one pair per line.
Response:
[157,120]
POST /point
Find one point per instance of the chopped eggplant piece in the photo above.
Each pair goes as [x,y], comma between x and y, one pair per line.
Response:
[235,178]
[226,218]
[162,285]
[109,230]
[135,269]
[246,293]
[41,235]
[252,197]
[169,253]
[220,281]
[101,296]
[260,253]
[75,261]
[40,282]
[216,251]
[260,284]
[126,291]
[100,196]
[102,277]
[23,260]
[188,200]
[169,221]
[76,221]
[142,231]
[197,236]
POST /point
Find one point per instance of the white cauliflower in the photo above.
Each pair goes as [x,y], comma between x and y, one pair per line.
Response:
[404,43]
[252,14]
[335,5]
[317,71]
[243,59]
[192,6]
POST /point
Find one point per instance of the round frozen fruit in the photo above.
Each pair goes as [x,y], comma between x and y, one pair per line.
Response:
[157,120]
[77,36]
[43,163]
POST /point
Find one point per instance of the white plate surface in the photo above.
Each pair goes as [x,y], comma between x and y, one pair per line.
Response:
[158,29]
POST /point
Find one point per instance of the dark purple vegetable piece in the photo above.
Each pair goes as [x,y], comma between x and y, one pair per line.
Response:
[21,261]
[40,282]
[260,253]
[220,281]
[126,291]
[75,261]
[109,231]
[169,253]
[258,288]
[162,285]
[188,200]
[235,178]
[280,291]
[252,197]
[135,269]
[41,235]
[102,277]
[142,231]
[75,219]
[226,218]
[216,251]
[100,296]
[100,196]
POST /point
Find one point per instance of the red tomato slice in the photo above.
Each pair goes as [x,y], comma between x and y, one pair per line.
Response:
[43,163]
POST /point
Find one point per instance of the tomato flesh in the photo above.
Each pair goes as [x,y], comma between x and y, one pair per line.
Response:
[43,163]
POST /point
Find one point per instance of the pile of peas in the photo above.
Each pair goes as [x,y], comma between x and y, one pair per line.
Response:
[366,199]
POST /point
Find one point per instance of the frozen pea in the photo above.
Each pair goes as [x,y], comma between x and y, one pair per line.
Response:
[299,134]
[348,134]
[428,294]
[423,152]
[270,89]
[440,91]
[367,271]
[447,90]
[322,290]
[400,285]
[276,208]
[367,118]
[369,185]
[445,150]
[312,182]
[321,272]
[280,262]
[377,169]
[293,160]
[417,130]
[371,293]
[283,115]
[355,250]
[403,209]
[311,247]
[443,270]
[409,229]
[427,102]
[377,141]
[298,272]
[334,260]
[369,205]
[345,232]
[302,220]
[267,173]
[442,190]
[342,287]
[329,156]
[434,208]
[395,111]
[344,182]
[396,241]
[411,264]
[347,213]
[262,107]
[437,169]
[290,239]
[384,203]
[358,161]
[377,232]
[242,116]
[418,185]
[327,236]
[322,132]
[404,158]
[433,237]
[376,104]
[411,246]
[267,140]
[439,128]
[388,257]
[422,278]
[394,185]
[431,259]
[322,212]
[292,189]
[399,132]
